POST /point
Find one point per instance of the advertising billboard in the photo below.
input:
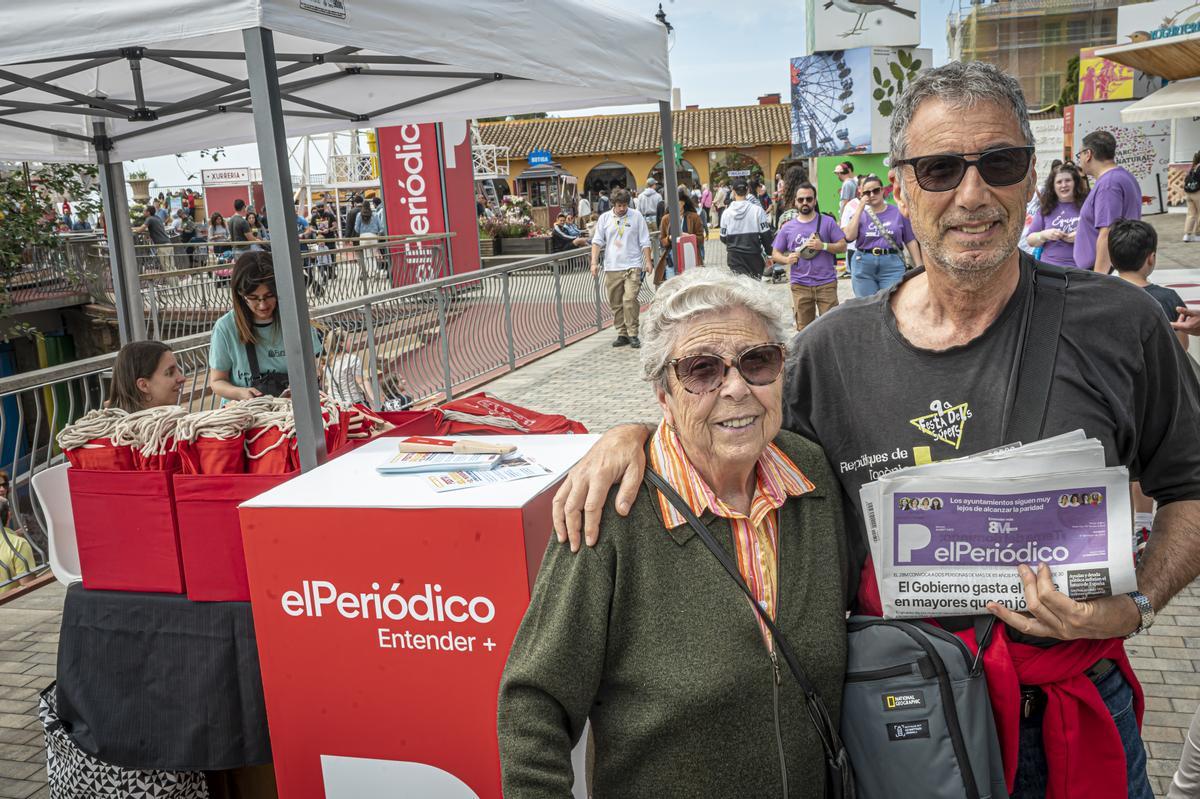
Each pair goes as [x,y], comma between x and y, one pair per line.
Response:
[838,24]
[1144,148]
[831,103]
[1102,81]
[428,188]
[891,71]
[1162,19]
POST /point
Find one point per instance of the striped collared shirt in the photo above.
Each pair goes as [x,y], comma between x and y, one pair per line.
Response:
[755,537]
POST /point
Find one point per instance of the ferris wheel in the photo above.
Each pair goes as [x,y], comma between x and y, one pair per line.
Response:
[822,88]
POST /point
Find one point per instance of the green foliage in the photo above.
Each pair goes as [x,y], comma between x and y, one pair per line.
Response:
[888,89]
[1070,91]
[28,218]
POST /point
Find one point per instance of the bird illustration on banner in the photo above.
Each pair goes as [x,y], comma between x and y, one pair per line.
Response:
[865,7]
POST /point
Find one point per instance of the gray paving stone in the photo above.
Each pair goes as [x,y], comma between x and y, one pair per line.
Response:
[18,769]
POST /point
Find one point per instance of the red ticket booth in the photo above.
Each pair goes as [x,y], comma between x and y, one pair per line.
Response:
[384,612]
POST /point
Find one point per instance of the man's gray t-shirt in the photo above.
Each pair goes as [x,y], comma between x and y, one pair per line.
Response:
[156,230]
[876,403]
[238,228]
[849,190]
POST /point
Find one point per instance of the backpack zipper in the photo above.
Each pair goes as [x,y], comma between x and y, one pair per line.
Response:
[778,733]
[880,674]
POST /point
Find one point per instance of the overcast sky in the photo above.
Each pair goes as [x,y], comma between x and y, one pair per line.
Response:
[726,52]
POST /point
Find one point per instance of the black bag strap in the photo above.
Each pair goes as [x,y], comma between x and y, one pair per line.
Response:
[837,759]
[1035,371]
[252,357]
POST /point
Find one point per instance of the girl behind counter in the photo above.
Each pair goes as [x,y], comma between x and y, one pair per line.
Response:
[252,323]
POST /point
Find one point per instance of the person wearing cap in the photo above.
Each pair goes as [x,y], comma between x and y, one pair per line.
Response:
[648,202]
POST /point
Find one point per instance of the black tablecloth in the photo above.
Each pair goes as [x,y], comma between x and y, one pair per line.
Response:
[156,681]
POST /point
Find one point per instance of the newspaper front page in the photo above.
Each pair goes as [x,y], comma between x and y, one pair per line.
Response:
[946,538]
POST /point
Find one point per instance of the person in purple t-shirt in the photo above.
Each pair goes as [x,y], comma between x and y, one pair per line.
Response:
[1115,195]
[1057,217]
[879,231]
[807,244]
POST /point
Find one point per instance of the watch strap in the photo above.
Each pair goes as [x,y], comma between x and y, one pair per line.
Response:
[1145,611]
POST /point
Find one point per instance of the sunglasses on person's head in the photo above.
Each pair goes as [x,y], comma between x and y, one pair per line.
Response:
[1003,166]
[759,365]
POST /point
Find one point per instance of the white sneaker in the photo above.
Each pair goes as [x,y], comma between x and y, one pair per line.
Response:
[1186,237]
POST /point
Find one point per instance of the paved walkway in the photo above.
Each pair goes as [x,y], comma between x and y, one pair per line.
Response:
[599,385]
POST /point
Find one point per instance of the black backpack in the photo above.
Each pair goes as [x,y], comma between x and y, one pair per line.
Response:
[1191,184]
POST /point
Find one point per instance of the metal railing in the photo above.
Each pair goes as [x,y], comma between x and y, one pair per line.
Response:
[412,345]
[58,274]
[181,302]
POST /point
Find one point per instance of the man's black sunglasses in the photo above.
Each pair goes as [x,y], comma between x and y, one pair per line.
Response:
[1003,166]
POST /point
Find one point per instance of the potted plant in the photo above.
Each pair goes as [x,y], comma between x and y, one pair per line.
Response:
[139,181]
[518,235]
[489,235]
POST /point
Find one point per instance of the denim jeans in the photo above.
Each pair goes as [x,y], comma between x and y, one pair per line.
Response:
[1118,697]
[870,274]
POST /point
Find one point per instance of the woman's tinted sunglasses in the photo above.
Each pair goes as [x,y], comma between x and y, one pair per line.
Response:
[759,365]
[1003,166]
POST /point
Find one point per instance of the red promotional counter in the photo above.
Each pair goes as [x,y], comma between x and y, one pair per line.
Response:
[384,613]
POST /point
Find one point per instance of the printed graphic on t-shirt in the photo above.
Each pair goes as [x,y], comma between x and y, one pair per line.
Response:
[945,423]
[883,230]
[1067,224]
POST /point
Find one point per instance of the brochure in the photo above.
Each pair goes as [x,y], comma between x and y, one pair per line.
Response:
[517,467]
[419,462]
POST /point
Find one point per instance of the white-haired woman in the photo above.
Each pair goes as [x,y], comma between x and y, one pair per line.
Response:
[644,634]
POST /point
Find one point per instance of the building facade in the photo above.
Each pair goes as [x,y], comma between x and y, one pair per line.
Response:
[1031,39]
[606,151]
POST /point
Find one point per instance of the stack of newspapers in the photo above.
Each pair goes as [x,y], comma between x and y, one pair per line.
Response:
[947,537]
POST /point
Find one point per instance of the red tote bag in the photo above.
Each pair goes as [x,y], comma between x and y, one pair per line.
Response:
[267,451]
[100,454]
[208,455]
[126,530]
[484,405]
[210,533]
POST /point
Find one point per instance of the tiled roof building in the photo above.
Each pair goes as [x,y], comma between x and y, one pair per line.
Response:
[695,129]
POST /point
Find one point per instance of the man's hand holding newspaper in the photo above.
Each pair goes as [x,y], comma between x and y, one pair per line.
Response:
[960,537]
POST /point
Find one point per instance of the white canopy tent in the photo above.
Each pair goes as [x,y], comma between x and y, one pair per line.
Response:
[106,81]
[1173,101]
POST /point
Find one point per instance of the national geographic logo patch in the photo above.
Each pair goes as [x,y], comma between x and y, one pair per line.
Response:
[904,700]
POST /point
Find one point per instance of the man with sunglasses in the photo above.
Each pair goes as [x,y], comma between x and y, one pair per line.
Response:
[1115,194]
[926,372]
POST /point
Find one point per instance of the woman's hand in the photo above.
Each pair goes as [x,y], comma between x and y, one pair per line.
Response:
[250,392]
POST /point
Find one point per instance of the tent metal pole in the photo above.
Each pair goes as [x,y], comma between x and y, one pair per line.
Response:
[127,284]
[462,87]
[289,276]
[670,177]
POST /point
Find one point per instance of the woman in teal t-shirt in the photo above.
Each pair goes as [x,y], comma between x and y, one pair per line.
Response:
[254,321]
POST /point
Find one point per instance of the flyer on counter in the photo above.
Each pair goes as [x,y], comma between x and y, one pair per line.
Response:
[518,467]
[946,539]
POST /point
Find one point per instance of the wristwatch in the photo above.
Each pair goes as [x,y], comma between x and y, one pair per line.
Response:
[1145,609]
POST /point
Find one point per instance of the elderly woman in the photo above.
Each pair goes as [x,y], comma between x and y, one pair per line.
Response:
[645,635]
